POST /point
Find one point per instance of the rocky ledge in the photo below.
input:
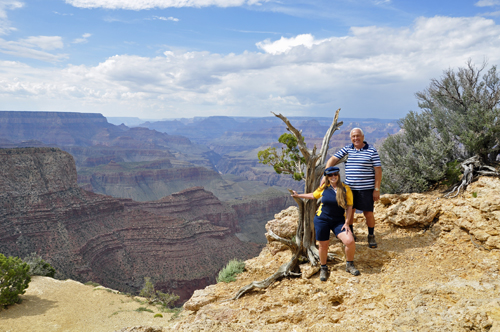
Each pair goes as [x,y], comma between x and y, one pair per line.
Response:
[436,269]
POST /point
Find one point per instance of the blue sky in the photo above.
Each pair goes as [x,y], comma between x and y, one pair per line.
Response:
[157,59]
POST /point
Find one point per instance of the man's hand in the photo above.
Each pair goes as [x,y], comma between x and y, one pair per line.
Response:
[376,195]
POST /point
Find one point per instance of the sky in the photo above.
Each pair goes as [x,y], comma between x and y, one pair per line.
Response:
[165,59]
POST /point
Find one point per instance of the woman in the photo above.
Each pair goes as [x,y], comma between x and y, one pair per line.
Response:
[333,214]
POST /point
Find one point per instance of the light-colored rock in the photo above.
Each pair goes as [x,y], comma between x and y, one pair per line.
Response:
[308,271]
[201,298]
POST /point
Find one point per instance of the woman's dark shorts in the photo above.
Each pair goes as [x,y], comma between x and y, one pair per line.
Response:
[363,200]
[323,227]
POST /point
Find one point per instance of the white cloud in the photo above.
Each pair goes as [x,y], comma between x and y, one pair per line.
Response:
[285,44]
[372,71]
[25,49]
[43,42]
[83,39]
[487,3]
[34,47]
[149,4]
[170,18]
[5,5]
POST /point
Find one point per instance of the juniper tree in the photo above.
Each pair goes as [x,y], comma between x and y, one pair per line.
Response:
[296,159]
[460,119]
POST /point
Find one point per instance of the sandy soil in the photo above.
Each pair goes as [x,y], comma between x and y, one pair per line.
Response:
[55,305]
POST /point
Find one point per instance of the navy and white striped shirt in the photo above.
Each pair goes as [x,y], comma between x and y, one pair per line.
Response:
[359,171]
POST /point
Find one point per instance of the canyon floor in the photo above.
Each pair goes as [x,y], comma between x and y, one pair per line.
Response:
[439,272]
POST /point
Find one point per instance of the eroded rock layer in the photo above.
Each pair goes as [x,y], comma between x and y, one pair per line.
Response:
[117,243]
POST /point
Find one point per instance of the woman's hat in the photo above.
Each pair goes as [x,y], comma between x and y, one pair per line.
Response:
[331,170]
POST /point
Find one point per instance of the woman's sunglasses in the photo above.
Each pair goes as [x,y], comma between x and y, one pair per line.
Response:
[333,174]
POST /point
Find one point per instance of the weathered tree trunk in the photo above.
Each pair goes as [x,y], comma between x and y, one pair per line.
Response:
[305,241]
[472,169]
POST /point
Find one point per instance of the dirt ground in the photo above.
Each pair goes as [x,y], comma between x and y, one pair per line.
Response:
[51,305]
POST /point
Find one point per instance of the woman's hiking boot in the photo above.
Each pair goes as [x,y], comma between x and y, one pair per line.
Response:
[351,269]
[371,241]
[323,274]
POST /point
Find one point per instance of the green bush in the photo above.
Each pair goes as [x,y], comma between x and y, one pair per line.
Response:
[229,272]
[39,267]
[14,279]
[415,158]
[166,300]
[460,118]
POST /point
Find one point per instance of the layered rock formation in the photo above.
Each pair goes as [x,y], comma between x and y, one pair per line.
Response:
[117,243]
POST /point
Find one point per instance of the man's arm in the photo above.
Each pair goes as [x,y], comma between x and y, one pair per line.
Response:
[332,161]
[378,181]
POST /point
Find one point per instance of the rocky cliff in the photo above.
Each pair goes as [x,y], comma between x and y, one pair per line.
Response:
[117,243]
[436,269]
[429,273]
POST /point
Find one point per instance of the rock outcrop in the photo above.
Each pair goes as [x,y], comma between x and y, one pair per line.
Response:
[117,243]
[425,276]
[436,269]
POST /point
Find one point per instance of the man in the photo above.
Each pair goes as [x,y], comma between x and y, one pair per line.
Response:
[363,174]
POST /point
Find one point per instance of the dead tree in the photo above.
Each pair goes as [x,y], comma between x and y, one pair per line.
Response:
[472,169]
[304,245]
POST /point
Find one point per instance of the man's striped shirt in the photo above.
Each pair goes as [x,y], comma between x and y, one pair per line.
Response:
[359,171]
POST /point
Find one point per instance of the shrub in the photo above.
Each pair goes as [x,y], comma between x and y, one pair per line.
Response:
[414,158]
[141,309]
[14,279]
[158,316]
[460,118]
[39,267]
[229,272]
[154,296]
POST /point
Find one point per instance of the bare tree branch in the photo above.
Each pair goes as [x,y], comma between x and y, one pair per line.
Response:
[302,145]
[326,139]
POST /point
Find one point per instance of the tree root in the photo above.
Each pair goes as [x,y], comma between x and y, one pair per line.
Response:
[471,167]
[285,270]
[291,244]
[477,245]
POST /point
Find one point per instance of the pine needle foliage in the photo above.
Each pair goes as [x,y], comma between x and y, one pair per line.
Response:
[288,161]
[14,279]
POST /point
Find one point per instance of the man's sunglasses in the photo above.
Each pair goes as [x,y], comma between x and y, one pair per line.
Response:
[333,174]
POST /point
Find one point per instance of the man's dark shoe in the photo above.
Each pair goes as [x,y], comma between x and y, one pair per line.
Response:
[352,270]
[371,241]
[323,274]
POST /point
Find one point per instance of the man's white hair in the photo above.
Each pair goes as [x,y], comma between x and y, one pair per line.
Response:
[361,130]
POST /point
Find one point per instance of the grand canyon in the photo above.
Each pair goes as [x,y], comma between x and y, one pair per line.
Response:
[171,200]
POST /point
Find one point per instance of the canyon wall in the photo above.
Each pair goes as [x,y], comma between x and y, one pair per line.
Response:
[87,236]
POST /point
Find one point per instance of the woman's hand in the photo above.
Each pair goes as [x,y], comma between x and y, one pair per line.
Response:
[294,193]
[346,227]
